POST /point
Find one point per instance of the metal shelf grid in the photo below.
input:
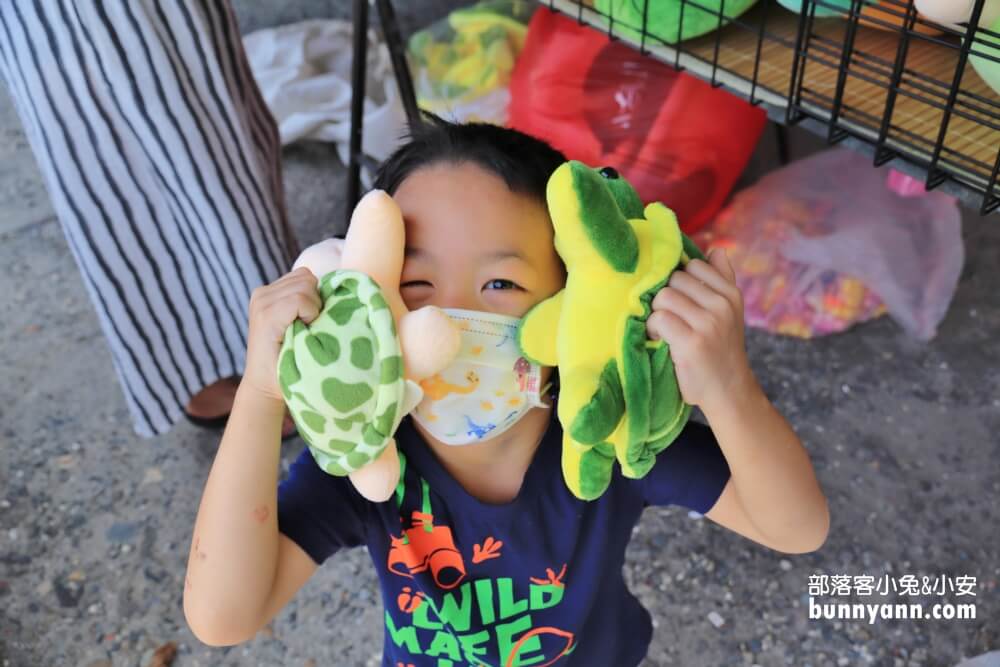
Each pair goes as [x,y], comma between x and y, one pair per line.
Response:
[873,73]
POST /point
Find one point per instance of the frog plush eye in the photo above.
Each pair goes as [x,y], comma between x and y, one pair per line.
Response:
[609,173]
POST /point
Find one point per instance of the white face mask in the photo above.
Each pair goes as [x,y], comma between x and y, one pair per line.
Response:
[486,389]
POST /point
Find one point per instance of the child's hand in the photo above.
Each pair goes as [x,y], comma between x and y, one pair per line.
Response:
[272,308]
[700,315]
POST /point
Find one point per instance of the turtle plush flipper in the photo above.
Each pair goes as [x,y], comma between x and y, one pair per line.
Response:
[413,393]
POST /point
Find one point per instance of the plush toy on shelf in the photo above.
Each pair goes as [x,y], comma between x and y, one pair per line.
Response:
[888,15]
[663,17]
[953,12]
[824,8]
[351,375]
[619,398]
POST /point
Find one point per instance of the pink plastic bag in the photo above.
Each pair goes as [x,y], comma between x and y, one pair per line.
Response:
[825,243]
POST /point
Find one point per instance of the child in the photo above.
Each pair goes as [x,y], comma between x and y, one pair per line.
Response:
[484,556]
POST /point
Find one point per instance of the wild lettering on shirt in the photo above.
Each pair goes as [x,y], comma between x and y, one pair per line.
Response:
[468,619]
[479,618]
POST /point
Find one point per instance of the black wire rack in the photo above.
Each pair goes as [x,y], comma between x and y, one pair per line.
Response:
[876,72]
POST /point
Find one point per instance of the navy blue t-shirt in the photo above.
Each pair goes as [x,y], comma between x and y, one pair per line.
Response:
[535,581]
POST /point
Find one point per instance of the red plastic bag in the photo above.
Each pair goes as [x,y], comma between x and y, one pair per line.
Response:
[674,137]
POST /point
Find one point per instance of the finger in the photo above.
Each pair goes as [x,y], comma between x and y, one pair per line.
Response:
[308,306]
[288,286]
[301,274]
[699,292]
[710,274]
[719,258]
[674,301]
[667,326]
[264,295]
[293,291]
[296,306]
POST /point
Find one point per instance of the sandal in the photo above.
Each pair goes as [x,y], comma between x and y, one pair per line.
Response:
[217,423]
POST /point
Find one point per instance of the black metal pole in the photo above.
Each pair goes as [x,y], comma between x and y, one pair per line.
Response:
[358,75]
[397,54]
[781,140]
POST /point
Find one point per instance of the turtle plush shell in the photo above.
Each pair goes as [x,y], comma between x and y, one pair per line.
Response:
[342,374]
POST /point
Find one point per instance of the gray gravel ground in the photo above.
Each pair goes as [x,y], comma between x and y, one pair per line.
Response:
[95,522]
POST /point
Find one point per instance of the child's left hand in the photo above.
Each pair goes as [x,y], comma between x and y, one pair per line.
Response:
[699,313]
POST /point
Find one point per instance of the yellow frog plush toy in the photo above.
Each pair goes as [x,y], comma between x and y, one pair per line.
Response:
[619,398]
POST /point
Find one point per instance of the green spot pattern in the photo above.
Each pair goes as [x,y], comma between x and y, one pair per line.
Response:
[342,374]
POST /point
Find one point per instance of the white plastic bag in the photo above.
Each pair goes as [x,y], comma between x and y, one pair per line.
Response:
[304,73]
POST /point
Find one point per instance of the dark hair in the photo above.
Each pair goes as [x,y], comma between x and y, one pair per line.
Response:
[522,161]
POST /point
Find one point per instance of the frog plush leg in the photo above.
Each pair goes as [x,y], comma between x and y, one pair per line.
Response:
[600,415]
[586,465]
[667,411]
[592,405]
[587,469]
[668,414]
[637,394]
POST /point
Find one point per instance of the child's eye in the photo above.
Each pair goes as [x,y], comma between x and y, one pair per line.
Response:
[415,283]
[501,284]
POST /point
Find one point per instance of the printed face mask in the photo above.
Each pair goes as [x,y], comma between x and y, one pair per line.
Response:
[486,389]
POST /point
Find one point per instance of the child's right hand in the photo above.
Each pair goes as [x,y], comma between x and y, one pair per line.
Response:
[272,308]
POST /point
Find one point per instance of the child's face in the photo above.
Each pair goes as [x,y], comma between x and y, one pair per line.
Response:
[473,244]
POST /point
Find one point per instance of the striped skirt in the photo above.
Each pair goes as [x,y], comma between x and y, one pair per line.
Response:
[163,166]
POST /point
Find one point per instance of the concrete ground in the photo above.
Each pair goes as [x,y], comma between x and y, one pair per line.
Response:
[905,438]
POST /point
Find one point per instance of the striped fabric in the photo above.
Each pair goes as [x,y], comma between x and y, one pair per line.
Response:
[163,164]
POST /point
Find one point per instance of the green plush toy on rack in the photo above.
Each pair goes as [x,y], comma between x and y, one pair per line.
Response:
[664,19]
[619,398]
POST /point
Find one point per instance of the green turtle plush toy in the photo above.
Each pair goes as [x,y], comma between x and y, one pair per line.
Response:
[351,375]
[618,398]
